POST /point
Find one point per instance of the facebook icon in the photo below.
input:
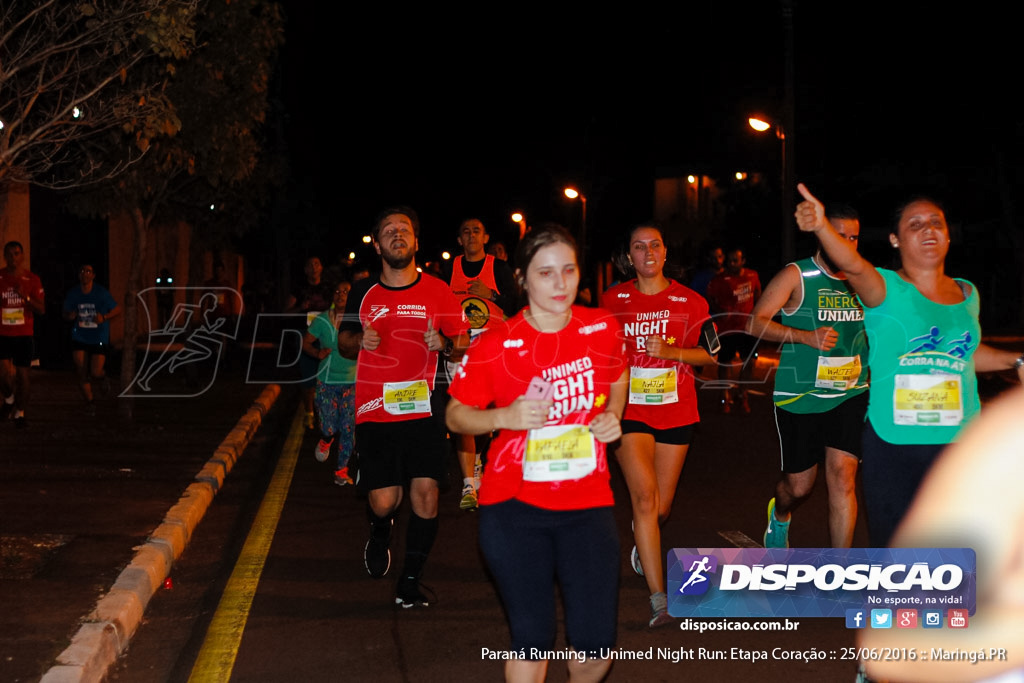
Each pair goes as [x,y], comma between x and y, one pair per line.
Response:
[855,618]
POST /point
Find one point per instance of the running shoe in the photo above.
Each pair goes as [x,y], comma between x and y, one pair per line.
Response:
[342,478]
[323,450]
[777,533]
[634,559]
[469,501]
[377,553]
[409,594]
[659,611]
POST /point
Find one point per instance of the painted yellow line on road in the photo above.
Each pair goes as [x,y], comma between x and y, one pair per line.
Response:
[220,648]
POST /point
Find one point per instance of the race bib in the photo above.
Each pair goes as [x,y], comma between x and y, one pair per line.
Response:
[928,400]
[838,372]
[407,398]
[652,386]
[12,316]
[559,453]
[87,316]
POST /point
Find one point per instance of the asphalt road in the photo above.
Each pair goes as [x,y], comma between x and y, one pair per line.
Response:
[78,493]
[317,616]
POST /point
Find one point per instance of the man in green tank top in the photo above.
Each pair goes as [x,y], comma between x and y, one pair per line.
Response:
[820,385]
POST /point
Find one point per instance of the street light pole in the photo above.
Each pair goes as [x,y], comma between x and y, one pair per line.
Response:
[785,187]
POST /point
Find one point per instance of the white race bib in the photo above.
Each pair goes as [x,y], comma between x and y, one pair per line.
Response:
[838,372]
[653,386]
[559,453]
[928,400]
[407,398]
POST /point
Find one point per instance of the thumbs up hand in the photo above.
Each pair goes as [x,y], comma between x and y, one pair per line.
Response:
[433,338]
[371,338]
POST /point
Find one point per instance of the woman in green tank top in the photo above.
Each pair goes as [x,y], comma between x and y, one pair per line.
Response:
[925,350]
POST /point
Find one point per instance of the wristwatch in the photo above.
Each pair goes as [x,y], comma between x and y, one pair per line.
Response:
[1019,362]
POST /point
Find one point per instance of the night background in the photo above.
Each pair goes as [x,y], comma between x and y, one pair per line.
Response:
[463,112]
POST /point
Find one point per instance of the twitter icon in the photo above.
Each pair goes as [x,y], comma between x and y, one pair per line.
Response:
[881,618]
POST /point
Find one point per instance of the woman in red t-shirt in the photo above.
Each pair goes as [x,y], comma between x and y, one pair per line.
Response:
[663,323]
[552,380]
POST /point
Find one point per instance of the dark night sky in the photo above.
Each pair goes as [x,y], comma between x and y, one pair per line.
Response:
[462,113]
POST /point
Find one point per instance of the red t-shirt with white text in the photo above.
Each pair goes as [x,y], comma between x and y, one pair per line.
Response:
[675,314]
[582,360]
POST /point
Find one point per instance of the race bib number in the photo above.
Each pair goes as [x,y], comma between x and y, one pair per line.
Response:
[407,398]
[653,386]
[838,372]
[559,453]
[87,316]
[13,316]
[928,400]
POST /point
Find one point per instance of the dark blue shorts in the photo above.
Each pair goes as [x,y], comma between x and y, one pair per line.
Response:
[528,548]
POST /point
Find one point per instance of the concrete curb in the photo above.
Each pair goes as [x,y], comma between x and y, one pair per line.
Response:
[110,626]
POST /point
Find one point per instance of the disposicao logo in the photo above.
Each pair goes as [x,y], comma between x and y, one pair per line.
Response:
[696,580]
[818,582]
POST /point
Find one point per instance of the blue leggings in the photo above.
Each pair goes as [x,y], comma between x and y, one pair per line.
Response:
[528,548]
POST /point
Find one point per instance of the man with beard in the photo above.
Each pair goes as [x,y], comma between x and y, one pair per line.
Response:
[486,288]
[820,385]
[395,325]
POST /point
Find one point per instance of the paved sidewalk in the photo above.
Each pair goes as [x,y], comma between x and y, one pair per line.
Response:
[79,493]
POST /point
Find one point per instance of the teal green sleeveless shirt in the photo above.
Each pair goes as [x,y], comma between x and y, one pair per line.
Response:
[813,381]
[923,385]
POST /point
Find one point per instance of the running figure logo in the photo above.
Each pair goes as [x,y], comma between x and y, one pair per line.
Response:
[194,333]
[696,581]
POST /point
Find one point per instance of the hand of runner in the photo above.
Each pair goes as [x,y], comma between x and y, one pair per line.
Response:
[824,338]
[477,288]
[655,346]
[371,338]
[810,213]
[606,427]
[433,338]
[525,413]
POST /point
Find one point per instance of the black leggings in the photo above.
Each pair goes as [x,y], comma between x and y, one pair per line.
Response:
[891,474]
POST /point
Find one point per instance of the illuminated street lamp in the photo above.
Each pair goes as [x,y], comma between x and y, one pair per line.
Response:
[367,239]
[573,193]
[446,255]
[762,125]
[519,218]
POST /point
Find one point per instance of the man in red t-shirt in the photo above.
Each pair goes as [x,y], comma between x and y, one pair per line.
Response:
[395,325]
[21,298]
[732,295]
